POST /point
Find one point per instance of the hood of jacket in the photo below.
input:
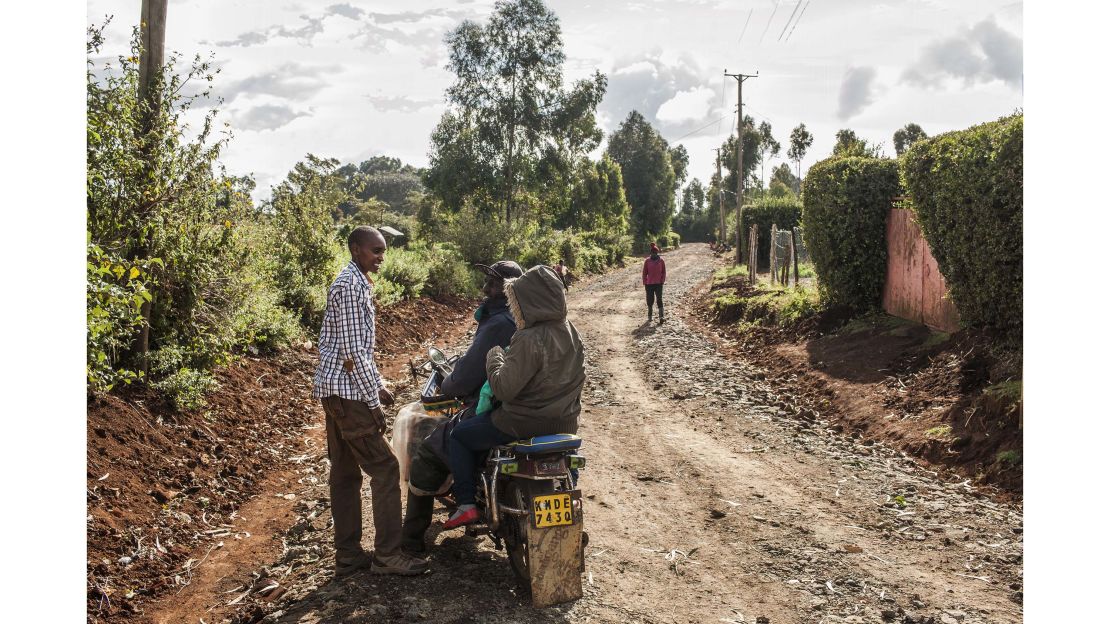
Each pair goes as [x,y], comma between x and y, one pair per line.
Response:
[536,297]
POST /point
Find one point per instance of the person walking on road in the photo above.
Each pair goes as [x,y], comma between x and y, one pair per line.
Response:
[655,275]
[351,389]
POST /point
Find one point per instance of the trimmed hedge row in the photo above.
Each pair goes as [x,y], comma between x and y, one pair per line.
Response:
[785,212]
[967,194]
[845,202]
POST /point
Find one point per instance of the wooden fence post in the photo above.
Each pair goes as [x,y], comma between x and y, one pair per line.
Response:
[773,254]
[794,253]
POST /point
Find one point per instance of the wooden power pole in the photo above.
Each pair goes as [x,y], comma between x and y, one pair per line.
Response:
[740,78]
[152,28]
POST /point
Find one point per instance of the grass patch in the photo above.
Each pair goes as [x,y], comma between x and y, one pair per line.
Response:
[724,274]
[1007,390]
[1010,457]
[806,269]
[939,433]
[935,338]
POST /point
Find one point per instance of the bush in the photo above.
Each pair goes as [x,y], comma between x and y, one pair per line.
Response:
[671,240]
[967,194]
[448,274]
[115,293]
[407,269]
[387,293]
[845,202]
[187,388]
[785,212]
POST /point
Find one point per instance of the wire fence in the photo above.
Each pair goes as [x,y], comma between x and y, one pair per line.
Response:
[788,254]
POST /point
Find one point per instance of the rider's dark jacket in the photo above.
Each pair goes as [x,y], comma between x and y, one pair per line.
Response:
[496,327]
[539,379]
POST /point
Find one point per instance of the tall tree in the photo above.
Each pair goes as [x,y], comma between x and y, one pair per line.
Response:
[800,142]
[849,144]
[648,175]
[767,145]
[693,197]
[907,136]
[783,174]
[508,106]
[752,160]
[680,160]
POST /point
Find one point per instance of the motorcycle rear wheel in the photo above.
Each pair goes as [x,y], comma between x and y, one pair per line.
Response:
[519,494]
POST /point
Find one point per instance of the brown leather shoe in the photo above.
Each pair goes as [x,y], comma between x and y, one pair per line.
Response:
[402,564]
[346,566]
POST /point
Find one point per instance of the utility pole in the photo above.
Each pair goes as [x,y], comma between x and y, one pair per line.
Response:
[722,235]
[740,78]
[152,28]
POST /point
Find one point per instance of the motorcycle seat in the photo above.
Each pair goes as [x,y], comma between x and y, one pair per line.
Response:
[547,443]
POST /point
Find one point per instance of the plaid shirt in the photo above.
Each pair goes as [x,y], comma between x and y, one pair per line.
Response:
[348,334]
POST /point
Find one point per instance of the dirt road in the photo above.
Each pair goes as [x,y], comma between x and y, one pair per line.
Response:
[705,502]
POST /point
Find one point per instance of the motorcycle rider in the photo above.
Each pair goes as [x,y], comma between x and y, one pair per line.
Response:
[538,381]
[429,469]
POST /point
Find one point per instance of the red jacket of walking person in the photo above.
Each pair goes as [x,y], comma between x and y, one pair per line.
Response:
[655,269]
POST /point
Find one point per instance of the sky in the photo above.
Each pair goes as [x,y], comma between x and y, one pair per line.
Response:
[356,79]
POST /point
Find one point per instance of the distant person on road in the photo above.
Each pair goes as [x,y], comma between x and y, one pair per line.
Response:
[655,275]
[429,468]
[352,391]
[537,380]
[562,271]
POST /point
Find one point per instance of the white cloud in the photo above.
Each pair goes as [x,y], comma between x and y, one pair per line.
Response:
[691,105]
[980,54]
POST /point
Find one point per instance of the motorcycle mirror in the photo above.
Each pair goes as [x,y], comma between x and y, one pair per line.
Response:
[437,356]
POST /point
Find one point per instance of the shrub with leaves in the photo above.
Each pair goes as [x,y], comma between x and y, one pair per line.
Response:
[115,293]
[967,194]
[448,274]
[309,252]
[186,388]
[407,269]
[845,202]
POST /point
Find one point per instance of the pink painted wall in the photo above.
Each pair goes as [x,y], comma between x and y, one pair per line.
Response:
[914,288]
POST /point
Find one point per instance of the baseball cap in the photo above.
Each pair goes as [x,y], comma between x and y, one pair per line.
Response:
[504,269]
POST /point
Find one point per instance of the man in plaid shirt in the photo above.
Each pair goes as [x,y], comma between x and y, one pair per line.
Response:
[350,387]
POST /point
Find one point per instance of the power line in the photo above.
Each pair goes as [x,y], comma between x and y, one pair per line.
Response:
[765,29]
[750,11]
[798,20]
[701,128]
[795,12]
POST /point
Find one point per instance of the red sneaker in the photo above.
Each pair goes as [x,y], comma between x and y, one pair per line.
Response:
[470,516]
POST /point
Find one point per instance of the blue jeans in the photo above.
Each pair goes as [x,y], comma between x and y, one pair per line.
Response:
[470,439]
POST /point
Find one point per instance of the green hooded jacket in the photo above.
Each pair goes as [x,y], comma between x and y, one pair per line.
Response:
[539,378]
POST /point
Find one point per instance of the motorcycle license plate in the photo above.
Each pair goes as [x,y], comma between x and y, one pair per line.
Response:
[552,510]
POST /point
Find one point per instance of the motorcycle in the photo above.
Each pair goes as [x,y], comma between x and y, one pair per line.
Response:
[529,501]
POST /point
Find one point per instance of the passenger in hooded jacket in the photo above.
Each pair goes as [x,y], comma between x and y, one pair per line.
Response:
[538,381]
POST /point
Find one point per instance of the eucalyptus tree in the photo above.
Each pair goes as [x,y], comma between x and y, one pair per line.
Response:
[508,108]
[767,145]
[906,136]
[800,142]
[648,174]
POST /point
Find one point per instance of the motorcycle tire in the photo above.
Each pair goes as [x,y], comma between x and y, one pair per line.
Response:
[519,494]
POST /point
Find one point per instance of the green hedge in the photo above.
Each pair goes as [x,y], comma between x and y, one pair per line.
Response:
[845,202]
[785,212]
[966,190]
